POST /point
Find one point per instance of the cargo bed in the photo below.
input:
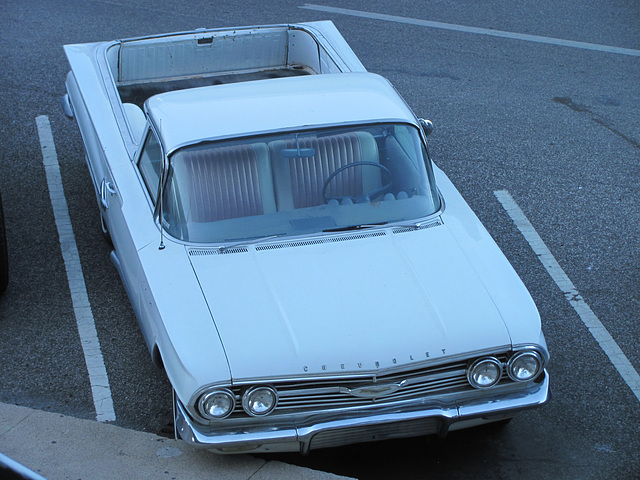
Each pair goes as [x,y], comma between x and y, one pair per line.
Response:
[145,67]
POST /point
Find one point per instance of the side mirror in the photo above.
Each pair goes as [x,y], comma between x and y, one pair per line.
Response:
[427,126]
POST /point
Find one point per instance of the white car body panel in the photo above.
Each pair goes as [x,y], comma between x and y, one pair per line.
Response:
[183,117]
[362,297]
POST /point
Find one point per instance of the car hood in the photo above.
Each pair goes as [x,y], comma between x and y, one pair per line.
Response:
[364,302]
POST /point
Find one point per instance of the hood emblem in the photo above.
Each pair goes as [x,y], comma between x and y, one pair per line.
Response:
[374,391]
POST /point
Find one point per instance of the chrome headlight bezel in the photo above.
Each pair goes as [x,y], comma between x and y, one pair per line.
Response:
[517,358]
[249,398]
[474,370]
[220,393]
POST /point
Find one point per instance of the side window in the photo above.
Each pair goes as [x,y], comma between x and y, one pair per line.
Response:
[150,164]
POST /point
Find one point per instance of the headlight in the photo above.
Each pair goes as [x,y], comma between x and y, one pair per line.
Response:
[485,372]
[524,366]
[217,404]
[258,401]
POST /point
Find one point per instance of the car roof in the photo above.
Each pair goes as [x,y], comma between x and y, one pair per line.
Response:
[189,116]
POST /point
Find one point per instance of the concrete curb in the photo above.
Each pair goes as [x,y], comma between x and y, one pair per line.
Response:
[59,447]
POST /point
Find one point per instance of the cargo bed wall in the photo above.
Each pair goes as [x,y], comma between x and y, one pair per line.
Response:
[149,66]
[210,53]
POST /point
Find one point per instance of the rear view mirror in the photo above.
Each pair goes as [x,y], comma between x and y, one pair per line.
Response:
[298,152]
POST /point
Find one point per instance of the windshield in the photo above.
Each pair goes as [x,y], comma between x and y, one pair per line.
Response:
[298,183]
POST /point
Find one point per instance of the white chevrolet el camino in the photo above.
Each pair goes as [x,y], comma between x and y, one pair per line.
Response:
[303,272]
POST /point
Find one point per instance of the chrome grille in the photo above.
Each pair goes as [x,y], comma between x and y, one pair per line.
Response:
[337,394]
[317,395]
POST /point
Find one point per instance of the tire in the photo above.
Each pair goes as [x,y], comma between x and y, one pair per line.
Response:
[4,256]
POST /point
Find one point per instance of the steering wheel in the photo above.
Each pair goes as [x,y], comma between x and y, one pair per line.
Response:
[370,195]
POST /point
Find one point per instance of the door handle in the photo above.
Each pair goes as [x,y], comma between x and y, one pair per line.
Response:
[105,189]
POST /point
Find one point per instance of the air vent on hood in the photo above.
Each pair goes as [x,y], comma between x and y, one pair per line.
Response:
[319,241]
[216,251]
[435,223]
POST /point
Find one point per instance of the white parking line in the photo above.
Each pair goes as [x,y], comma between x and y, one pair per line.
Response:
[100,388]
[591,321]
[476,30]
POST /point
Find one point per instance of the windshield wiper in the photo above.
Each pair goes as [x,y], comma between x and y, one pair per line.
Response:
[414,225]
[354,227]
[247,242]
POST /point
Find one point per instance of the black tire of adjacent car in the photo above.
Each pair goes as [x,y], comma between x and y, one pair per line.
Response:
[4,257]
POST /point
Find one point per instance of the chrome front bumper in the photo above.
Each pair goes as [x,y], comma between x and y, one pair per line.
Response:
[418,417]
